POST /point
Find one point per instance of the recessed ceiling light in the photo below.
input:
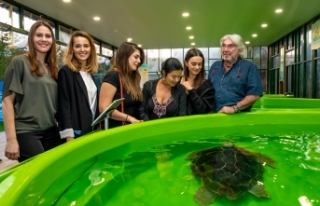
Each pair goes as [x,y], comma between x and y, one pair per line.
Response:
[139,45]
[67,1]
[264,25]
[278,10]
[96,18]
[247,42]
[191,37]
[189,28]
[192,44]
[129,39]
[254,35]
[185,14]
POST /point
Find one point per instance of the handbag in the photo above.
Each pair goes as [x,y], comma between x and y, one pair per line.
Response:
[121,96]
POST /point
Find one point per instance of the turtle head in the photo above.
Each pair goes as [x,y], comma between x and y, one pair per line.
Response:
[228,144]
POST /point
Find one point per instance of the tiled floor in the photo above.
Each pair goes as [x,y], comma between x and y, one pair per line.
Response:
[6,163]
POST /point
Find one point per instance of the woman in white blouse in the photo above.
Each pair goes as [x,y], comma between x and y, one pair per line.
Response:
[77,92]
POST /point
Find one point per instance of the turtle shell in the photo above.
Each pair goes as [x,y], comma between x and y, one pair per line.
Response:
[228,170]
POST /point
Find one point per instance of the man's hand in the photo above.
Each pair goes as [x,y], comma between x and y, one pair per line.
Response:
[227,110]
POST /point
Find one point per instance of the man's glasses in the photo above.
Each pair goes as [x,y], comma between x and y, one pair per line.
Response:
[228,46]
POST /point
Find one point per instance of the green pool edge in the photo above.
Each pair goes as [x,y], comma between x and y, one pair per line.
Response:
[26,183]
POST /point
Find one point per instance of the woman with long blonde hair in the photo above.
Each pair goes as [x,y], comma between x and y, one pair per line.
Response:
[77,91]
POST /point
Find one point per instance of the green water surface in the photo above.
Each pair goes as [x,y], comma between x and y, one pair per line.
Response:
[162,175]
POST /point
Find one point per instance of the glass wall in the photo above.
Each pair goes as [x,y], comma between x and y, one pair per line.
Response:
[301,64]
[154,58]
[14,37]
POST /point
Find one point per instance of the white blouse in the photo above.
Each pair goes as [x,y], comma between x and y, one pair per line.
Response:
[92,91]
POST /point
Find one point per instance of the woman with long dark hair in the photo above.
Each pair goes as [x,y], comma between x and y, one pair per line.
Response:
[200,91]
[123,81]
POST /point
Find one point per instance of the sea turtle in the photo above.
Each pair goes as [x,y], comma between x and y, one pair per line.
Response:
[228,171]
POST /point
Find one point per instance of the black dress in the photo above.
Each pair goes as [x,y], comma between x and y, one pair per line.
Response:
[131,106]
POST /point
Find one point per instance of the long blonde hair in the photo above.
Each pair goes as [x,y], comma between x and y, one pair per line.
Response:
[130,79]
[71,60]
[51,56]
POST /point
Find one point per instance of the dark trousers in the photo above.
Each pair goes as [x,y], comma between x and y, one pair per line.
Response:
[34,143]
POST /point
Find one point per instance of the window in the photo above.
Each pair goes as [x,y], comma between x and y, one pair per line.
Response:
[64,34]
[107,50]
[9,14]
[30,18]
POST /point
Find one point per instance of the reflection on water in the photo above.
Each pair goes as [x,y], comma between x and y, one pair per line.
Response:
[162,175]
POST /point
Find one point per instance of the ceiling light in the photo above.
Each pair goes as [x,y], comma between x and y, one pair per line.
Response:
[96,18]
[185,14]
[191,37]
[264,25]
[67,1]
[129,39]
[278,10]
[247,42]
[254,35]
[139,45]
[192,44]
[189,28]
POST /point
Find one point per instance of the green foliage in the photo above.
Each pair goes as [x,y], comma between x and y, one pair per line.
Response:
[3,64]
[6,54]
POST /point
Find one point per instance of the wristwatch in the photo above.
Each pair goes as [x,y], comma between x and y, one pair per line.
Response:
[236,108]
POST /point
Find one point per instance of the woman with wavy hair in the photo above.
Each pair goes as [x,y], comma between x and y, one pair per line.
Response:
[30,97]
[77,91]
[123,80]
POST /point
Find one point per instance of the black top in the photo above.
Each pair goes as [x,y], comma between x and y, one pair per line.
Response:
[178,94]
[131,106]
[73,104]
[157,110]
[201,100]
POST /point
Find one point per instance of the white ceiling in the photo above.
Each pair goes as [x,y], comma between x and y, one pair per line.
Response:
[159,23]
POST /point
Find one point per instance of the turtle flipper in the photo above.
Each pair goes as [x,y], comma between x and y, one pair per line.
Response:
[259,191]
[204,197]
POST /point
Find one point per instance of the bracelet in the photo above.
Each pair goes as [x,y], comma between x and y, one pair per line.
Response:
[236,108]
[127,118]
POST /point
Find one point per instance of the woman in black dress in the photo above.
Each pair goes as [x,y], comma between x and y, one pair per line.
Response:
[123,81]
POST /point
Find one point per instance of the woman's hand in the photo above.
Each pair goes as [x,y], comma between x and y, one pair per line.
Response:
[133,120]
[12,149]
[69,139]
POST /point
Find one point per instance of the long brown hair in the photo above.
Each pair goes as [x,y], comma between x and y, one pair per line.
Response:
[130,79]
[71,60]
[51,56]
[201,76]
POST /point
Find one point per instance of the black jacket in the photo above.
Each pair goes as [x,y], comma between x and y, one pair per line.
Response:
[178,93]
[201,100]
[73,103]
